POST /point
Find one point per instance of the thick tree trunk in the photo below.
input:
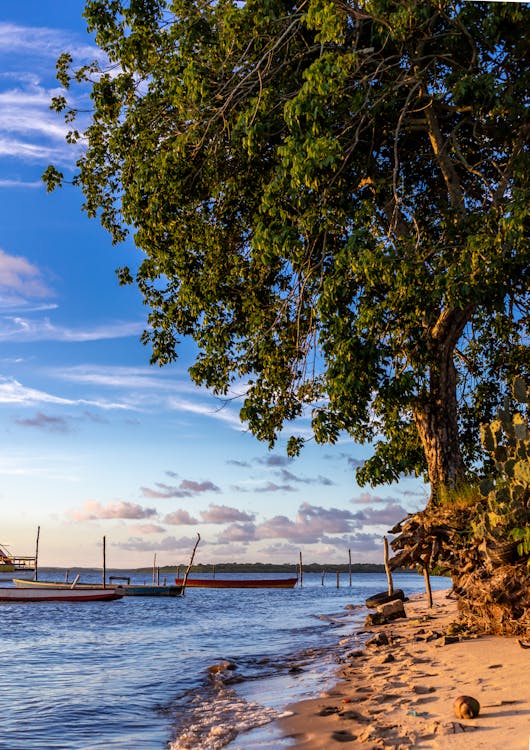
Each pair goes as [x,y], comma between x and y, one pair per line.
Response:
[436,418]
[438,430]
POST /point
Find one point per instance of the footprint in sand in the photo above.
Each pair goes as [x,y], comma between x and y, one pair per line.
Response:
[343,736]
[328,710]
[353,715]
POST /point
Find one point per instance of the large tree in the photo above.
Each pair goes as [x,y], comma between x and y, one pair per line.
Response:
[332,200]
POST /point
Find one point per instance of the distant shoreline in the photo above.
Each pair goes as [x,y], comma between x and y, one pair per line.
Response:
[244,568]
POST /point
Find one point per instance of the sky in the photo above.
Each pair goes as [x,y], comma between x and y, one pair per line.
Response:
[94,440]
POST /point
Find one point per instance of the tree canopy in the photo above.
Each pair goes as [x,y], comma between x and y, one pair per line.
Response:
[332,198]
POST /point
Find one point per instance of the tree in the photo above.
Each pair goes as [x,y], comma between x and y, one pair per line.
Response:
[332,201]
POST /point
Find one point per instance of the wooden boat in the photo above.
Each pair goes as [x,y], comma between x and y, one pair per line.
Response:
[56,594]
[131,589]
[238,583]
[14,563]
[127,589]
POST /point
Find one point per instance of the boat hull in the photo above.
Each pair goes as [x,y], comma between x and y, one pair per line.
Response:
[238,583]
[55,594]
[146,590]
[124,589]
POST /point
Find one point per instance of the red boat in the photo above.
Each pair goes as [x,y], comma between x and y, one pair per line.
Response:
[238,583]
[55,594]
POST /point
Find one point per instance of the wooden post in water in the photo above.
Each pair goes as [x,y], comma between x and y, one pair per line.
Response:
[36,571]
[338,575]
[190,564]
[301,572]
[428,586]
[104,563]
[323,576]
[387,568]
[349,564]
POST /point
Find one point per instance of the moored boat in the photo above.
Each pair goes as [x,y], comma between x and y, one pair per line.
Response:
[125,589]
[58,594]
[238,583]
[15,563]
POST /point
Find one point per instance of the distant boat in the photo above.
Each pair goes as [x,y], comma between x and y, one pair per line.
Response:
[15,563]
[127,589]
[56,594]
[239,583]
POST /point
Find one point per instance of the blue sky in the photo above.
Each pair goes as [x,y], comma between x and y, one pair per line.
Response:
[94,441]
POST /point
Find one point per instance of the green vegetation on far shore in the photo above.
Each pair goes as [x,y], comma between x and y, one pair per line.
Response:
[275,568]
[241,568]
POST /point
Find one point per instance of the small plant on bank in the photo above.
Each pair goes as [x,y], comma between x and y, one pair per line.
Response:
[502,518]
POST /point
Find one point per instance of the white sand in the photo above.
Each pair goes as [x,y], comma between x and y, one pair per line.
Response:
[401,695]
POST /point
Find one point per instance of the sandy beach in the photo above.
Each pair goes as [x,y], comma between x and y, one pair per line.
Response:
[399,692]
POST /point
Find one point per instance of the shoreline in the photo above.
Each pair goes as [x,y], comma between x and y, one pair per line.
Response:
[400,694]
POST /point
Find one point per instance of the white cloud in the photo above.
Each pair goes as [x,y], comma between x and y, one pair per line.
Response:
[180,518]
[225,514]
[167,544]
[27,329]
[35,185]
[33,152]
[29,130]
[186,488]
[42,42]
[93,510]
[223,414]
[13,392]
[18,275]
[124,377]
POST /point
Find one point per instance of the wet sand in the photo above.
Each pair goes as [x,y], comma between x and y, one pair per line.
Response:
[400,694]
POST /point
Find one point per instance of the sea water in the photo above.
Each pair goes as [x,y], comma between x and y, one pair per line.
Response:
[136,673]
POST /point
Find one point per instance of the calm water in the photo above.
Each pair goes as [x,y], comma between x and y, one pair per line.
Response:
[133,673]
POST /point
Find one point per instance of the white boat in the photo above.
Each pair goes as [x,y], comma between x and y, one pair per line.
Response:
[56,594]
[126,589]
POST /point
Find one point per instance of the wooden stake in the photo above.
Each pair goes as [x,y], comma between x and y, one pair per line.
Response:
[323,576]
[338,574]
[387,568]
[301,574]
[190,564]
[428,586]
[104,563]
[36,571]
[349,564]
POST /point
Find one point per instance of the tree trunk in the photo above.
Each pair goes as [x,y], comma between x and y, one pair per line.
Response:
[436,420]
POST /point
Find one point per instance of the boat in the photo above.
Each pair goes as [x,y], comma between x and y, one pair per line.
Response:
[238,583]
[132,589]
[127,589]
[15,563]
[146,589]
[58,594]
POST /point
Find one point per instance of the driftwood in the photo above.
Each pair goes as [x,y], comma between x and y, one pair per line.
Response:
[490,581]
[387,568]
[186,574]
